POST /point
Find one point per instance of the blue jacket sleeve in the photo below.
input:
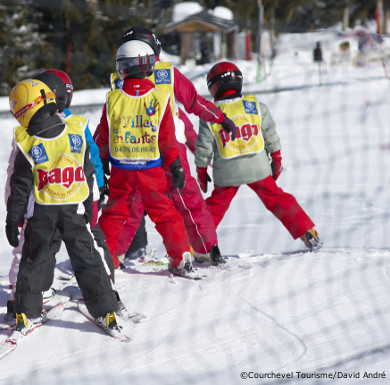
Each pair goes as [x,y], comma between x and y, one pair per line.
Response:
[95,158]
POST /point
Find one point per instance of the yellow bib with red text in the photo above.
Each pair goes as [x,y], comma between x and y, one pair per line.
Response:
[57,164]
[245,114]
[134,124]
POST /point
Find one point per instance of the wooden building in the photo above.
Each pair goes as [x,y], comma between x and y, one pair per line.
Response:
[203,31]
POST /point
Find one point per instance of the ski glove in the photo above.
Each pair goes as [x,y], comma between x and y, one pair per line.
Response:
[203,178]
[12,233]
[229,127]
[276,164]
[104,190]
[178,176]
[106,166]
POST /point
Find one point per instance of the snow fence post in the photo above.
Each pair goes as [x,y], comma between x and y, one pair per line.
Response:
[259,76]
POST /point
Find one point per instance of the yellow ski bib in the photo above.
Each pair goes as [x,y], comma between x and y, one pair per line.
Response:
[134,123]
[57,164]
[245,113]
[116,81]
[78,120]
[162,77]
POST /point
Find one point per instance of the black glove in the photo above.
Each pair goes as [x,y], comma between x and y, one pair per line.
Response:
[104,190]
[229,127]
[106,166]
[12,233]
[178,176]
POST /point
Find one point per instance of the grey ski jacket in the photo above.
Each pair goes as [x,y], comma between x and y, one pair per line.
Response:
[244,169]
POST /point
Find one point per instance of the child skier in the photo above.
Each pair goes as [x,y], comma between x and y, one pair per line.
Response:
[246,160]
[136,133]
[58,88]
[60,83]
[52,184]
[189,201]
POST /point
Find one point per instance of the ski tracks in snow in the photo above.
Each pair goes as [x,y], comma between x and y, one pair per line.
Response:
[270,312]
[221,319]
[247,304]
[336,303]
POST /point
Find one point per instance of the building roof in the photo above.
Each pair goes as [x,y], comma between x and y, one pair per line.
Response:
[203,21]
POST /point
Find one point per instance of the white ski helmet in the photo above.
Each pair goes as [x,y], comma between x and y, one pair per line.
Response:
[142,34]
[135,59]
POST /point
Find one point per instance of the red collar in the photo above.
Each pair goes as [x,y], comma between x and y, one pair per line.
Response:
[137,86]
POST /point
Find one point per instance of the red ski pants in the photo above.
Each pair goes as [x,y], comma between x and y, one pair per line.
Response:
[130,227]
[283,205]
[153,187]
[188,202]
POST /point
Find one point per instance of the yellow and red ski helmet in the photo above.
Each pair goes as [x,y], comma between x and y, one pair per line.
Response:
[28,97]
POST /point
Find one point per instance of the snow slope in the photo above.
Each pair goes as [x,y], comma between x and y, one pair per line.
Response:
[281,315]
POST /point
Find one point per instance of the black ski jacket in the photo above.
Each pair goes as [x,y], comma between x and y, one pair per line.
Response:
[22,178]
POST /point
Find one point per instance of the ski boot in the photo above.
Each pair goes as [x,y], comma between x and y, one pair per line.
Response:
[11,314]
[311,240]
[25,325]
[214,256]
[185,268]
[109,322]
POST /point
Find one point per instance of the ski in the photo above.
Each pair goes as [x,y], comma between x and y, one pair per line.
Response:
[48,302]
[149,263]
[146,262]
[207,263]
[193,275]
[10,343]
[153,262]
[135,317]
[157,269]
[123,334]
[151,259]
[193,278]
[7,323]
[241,254]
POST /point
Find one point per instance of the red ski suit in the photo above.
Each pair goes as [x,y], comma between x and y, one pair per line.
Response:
[151,183]
[189,201]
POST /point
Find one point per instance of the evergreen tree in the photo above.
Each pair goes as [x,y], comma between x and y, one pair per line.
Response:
[22,43]
[81,36]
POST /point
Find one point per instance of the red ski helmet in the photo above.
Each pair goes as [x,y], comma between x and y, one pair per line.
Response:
[68,84]
[222,77]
